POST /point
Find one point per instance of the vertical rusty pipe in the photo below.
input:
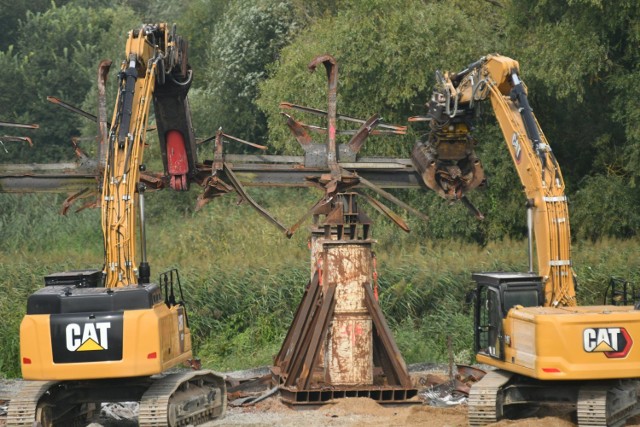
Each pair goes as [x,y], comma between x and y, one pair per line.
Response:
[218,154]
[103,127]
[349,354]
[332,76]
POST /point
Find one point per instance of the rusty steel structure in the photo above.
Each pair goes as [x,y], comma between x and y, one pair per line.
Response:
[249,170]
[13,138]
[339,344]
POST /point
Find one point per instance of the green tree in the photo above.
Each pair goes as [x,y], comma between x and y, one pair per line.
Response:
[590,53]
[12,12]
[13,71]
[151,11]
[584,86]
[387,53]
[55,58]
[601,209]
[249,37]
[198,24]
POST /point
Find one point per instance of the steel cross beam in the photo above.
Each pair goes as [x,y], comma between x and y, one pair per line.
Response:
[251,170]
[47,178]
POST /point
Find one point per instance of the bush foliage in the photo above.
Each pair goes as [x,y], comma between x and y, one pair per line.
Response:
[579,60]
[241,297]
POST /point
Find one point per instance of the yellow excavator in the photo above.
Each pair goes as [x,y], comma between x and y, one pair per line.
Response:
[544,347]
[111,335]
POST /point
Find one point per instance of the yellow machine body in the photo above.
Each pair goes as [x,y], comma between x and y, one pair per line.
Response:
[105,344]
[528,325]
[151,332]
[570,343]
[94,336]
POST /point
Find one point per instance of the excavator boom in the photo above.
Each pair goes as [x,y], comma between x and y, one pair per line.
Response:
[546,349]
[450,166]
[155,71]
[111,335]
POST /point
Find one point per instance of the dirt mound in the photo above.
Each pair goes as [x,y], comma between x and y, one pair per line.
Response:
[430,416]
[356,406]
[272,405]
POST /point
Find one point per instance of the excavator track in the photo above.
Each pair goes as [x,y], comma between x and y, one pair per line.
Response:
[174,399]
[608,404]
[23,407]
[603,403]
[37,402]
[183,398]
[592,406]
[485,403]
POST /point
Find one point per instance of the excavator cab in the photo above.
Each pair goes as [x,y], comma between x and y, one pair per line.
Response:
[496,294]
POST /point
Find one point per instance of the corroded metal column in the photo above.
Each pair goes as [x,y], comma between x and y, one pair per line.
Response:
[349,344]
[339,344]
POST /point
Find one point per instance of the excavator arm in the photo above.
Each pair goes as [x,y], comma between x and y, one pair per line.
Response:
[155,71]
[83,341]
[545,348]
[450,166]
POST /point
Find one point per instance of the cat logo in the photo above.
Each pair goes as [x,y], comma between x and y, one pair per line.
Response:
[88,336]
[613,342]
[78,338]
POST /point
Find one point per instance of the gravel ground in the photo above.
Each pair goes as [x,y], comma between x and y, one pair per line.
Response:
[348,412]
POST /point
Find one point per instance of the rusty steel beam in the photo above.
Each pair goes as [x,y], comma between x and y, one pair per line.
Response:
[298,130]
[307,214]
[398,130]
[45,168]
[384,210]
[380,394]
[362,162]
[393,199]
[291,346]
[331,66]
[9,138]
[246,197]
[355,144]
[251,170]
[251,144]
[391,174]
[40,184]
[289,171]
[303,367]
[348,132]
[472,208]
[292,177]
[70,107]
[19,125]
[58,178]
[389,353]
[46,178]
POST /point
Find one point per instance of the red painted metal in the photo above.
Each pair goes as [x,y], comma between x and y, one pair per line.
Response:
[177,160]
[176,153]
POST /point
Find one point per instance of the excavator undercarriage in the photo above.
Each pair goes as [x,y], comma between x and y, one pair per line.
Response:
[105,345]
[502,394]
[173,399]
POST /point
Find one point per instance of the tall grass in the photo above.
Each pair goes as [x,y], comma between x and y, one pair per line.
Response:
[243,279]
